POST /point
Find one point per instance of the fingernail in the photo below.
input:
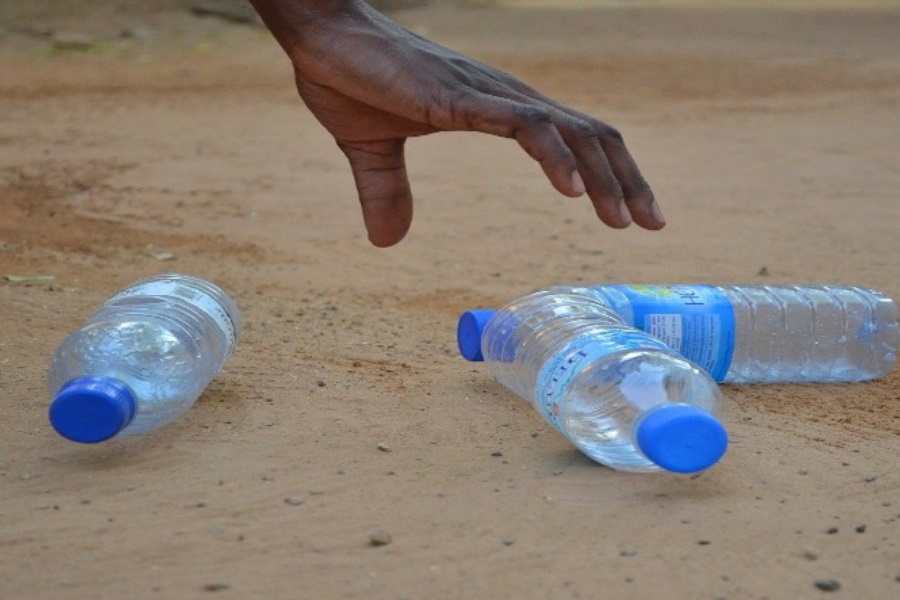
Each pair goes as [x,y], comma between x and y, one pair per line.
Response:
[577,183]
[623,210]
[657,213]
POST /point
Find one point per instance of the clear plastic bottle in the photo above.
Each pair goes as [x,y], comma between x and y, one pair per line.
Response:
[142,358]
[622,397]
[766,334]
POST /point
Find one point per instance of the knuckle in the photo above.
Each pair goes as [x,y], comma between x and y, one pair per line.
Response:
[609,133]
[533,115]
[584,129]
[596,130]
[639,188]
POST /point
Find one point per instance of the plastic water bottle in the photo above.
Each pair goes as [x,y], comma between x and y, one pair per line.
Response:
[766,334]
[142,358]
[621,396]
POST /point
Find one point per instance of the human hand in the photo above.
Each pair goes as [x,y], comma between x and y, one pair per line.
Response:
[373,84]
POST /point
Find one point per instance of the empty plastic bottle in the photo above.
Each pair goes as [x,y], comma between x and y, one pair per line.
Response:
[766,334]
[621,396]
[142,358]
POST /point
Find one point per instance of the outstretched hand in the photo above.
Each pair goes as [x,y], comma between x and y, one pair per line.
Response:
[373,84]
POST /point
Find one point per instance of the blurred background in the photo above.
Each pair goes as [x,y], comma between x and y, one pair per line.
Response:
[81,24]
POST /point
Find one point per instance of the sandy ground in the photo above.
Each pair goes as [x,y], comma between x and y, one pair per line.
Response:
[771,137]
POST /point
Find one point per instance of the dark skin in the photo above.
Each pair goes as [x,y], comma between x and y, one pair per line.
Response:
[373,84]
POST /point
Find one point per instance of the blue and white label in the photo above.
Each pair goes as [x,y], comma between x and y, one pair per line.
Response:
[697,321]
[557,374]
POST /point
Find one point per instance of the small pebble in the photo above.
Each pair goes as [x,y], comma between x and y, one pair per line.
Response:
[828,585]
[216,586]
[384,447]
[860,529]
[293,500]
[509,542]
[496,453]
[72,40]
[380,537]
[811,555]
[832,530]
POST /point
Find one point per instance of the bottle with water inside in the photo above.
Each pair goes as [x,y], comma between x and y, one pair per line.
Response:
[765,334]
[621,396]
[142,358]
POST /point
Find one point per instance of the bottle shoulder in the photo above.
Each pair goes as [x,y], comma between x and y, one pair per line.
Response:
[188,297]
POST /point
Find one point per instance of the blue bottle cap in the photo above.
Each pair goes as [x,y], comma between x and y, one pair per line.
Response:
[682,438]
[92,409]
[468,332]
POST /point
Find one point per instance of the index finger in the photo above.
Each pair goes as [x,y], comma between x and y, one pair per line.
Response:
[610,172]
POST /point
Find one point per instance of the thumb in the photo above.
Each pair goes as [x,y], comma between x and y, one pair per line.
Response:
[379,170]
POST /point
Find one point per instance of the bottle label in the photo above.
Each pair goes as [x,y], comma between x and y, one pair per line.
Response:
[557,373]
[695,320]
[200,299]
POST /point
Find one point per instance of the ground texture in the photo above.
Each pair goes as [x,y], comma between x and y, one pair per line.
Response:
[139,142]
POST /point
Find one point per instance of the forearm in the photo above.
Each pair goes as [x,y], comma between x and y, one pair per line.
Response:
[287,19]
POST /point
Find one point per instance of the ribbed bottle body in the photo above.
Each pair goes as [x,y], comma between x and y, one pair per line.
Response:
[811,333]
[165,338]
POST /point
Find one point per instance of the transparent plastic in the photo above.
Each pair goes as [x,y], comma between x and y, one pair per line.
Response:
[798,333]
[591,376]
[165,338]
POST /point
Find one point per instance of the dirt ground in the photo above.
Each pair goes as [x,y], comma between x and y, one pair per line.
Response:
[771,137]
